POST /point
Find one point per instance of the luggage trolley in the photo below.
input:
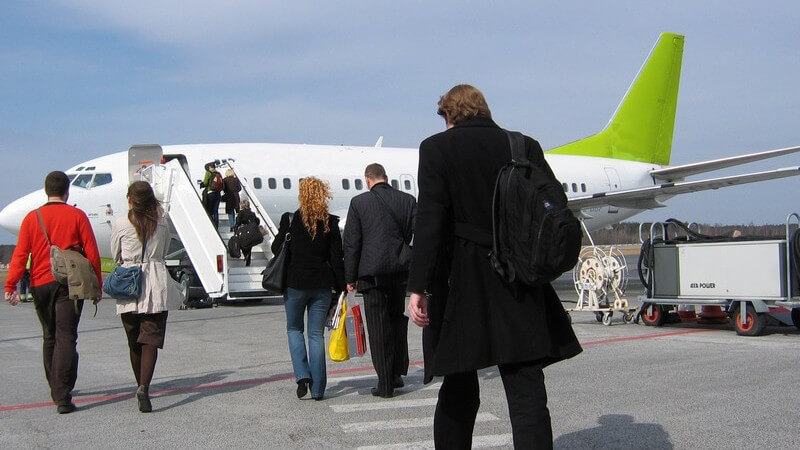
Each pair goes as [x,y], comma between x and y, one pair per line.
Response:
[746,276]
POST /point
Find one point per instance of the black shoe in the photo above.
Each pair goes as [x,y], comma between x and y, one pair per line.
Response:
[66,409]
[317,398]
[397,382]
[143,396]
[302,387]
[378,393]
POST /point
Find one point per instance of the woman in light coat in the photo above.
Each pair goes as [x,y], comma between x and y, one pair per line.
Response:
[145,319]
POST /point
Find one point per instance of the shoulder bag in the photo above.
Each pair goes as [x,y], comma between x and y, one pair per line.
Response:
[71,268]
[274,275]
[125,283]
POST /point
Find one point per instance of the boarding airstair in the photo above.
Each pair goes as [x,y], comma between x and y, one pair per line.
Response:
[245,282]
[223,278]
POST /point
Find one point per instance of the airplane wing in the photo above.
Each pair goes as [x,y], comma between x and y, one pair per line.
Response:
[647,198]
[679,172]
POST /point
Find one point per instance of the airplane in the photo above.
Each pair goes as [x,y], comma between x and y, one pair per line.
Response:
[608,177]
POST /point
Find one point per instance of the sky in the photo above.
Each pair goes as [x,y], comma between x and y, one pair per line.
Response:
[80,78]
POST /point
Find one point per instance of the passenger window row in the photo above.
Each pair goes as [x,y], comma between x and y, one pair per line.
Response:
[574,187]
[357,184]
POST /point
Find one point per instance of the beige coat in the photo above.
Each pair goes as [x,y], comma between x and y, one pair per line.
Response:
[159,291]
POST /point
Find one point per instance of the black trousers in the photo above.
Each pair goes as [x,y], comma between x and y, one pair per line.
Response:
[459,399]
[60,334]
[387,328]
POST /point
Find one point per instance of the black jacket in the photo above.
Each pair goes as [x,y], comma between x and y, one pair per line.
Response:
[313,263]
[477,320]
[246,216]
[231,187]
[373,238]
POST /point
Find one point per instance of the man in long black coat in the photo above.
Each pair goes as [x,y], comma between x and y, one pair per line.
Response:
[376,257]
[473,319]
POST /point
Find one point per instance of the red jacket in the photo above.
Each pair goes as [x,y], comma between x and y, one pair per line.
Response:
[67,227]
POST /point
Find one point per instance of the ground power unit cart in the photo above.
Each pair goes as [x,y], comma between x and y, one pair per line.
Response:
[745,276]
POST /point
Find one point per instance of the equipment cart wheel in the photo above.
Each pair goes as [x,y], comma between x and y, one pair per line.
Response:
[654,318]
[599,316]
[607,318]
[796,317]
[629,316]
[754,324]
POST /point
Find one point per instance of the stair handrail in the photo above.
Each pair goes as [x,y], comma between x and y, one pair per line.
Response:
[254,202]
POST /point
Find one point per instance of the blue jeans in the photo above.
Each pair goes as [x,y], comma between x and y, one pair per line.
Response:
[312,364]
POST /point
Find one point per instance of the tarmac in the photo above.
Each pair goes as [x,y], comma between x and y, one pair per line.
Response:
[224,380]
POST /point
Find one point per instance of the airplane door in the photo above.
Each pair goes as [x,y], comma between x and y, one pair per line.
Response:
[614,184]
[408,185]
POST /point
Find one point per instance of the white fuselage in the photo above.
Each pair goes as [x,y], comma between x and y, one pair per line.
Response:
[274,171]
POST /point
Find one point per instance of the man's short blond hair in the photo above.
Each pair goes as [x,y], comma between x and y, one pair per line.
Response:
[463,102]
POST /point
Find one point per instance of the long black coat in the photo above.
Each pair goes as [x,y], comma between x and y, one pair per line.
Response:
[477,320]
[231,187]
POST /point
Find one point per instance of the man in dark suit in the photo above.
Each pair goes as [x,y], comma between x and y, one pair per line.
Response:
[472,319]
[376,242]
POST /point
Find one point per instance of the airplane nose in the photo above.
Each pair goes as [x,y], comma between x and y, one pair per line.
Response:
[11,216]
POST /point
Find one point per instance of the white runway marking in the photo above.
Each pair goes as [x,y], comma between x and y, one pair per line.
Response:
[495,440]
[397,424]
[387,404]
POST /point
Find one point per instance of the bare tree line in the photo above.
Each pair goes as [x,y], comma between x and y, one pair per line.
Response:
[628,232]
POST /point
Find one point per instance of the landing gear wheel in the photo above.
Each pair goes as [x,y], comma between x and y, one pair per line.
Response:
[598,316]
[654,317]
[629,316]
[753,325]
[607,318]
[796,317]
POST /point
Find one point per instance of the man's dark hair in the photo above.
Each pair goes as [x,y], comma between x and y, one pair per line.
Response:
[375,171]
[56,184]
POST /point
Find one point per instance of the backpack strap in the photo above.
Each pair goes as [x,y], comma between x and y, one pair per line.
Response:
[517,142]
[41,224]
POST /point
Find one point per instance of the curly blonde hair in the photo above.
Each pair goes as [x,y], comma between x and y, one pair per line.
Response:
[314,196]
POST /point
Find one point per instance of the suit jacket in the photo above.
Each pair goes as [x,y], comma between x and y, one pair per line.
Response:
[313,263]
[373,238]
[477,320]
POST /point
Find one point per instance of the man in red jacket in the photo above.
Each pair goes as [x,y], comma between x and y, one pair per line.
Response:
[68,227]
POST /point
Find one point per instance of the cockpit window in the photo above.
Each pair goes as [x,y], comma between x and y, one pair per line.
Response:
[71,177]
[101,179]
[90,168]
[83,181]
[79,169]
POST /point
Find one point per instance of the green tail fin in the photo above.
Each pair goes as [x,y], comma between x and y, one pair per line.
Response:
[641,128]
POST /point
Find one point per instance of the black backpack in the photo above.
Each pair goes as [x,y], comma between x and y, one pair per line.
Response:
[233,247]
[248,235]
[535,236]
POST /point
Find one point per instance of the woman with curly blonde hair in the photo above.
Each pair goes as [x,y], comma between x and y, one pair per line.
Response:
[315,270]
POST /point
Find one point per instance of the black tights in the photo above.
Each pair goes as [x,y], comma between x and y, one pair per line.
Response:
[143,362]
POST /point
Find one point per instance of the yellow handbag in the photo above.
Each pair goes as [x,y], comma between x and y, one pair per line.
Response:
[337,347]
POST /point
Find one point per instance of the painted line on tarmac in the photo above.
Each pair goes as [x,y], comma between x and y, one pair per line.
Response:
[289,376]
[358,407]
[645,336]
[492,440]
[397,424]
